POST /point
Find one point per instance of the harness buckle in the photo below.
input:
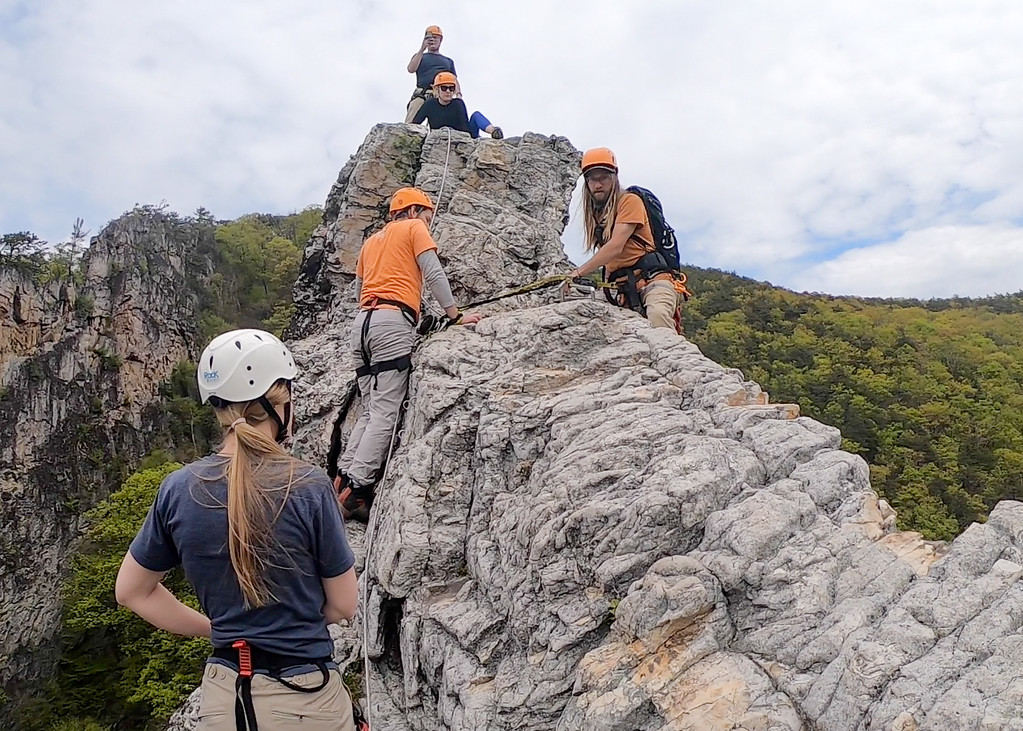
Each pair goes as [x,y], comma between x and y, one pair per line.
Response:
[244,658]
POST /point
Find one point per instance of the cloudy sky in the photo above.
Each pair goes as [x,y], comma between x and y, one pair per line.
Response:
[856,147]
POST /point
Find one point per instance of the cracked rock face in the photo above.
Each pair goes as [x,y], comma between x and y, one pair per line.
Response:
[78,366]
[30,313]
[590,525]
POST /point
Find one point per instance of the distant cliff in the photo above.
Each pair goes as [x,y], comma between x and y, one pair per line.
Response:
[79,364]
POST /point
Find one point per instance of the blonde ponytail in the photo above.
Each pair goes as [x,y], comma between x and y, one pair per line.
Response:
[259,471]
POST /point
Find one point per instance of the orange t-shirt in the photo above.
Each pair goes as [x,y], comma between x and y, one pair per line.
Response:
[387,263]
[632,210]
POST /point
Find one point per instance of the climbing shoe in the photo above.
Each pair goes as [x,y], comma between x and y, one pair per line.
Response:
[341,482]
[497,134]
[356,502]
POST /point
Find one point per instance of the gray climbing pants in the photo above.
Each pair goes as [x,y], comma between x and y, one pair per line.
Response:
[390,335]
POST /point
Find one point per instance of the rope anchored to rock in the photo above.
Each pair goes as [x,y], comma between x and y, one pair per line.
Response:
[430,323]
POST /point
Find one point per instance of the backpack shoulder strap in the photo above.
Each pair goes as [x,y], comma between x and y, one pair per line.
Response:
[650,246]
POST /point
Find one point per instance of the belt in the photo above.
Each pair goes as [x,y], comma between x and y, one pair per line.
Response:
[264,660]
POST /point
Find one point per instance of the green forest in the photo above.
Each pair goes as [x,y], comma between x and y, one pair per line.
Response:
[930,393]
[115,670]
[255,262]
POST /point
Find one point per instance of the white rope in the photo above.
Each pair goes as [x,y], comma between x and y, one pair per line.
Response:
[370,533]
[443,179]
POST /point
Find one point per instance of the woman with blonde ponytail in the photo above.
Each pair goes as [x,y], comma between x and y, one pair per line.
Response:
[261,538]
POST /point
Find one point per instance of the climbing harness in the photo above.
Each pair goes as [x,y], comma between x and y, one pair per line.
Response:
[628,283]
[402,363]
[248,659]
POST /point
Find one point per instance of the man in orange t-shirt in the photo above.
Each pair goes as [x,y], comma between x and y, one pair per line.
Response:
[393,264]
[618,228]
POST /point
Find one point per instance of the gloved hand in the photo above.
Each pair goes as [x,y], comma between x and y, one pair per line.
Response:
[430,323]
[578,285]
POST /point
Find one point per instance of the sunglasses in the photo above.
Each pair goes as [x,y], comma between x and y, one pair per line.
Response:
[446,87]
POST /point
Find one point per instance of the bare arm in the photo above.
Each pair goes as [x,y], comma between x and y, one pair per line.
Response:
[342,594]
[417,58]
[619,238]
[140,590]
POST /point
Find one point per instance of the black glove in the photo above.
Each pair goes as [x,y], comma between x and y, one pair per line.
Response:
[430,323]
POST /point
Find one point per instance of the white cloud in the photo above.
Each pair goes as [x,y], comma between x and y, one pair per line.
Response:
[777,135]
[968,261]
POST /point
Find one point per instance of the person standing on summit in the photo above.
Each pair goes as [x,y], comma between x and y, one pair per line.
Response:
[426,64]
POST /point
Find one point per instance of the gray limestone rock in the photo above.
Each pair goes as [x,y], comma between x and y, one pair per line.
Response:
[590,525]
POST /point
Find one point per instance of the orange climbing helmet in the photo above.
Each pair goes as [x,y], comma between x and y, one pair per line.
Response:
[405,197]
[445,78]
[599,158]
[434,30]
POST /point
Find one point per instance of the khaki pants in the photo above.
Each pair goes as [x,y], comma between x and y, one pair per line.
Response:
[660,300]
[390,336]
[276,706]
[414,104]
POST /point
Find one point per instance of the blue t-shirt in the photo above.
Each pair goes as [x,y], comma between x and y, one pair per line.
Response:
[429,66]
[187,526]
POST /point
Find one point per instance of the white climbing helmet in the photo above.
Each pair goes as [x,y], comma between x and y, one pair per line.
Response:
[242,365]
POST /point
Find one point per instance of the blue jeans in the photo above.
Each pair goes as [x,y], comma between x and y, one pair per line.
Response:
[478,123]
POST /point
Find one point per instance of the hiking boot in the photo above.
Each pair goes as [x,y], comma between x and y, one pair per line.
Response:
[356,502]
[497,133]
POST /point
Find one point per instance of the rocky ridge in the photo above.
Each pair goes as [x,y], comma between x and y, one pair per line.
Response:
[590,525]
[79,364]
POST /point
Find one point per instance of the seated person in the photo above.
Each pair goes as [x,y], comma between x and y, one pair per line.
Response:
[444,110]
